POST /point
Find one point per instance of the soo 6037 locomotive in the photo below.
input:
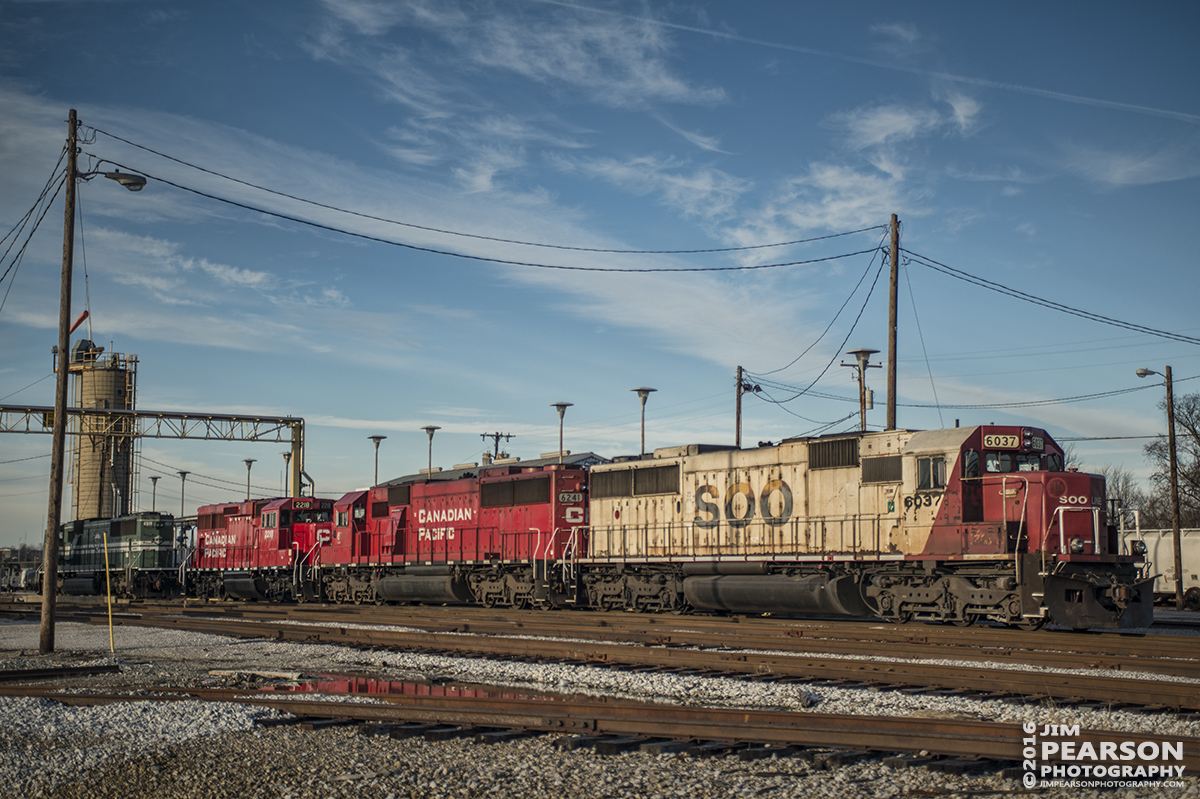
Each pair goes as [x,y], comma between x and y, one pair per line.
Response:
[957,525]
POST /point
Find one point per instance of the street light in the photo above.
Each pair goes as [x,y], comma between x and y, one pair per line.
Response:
[377,439]
[154,493]
[58,442]
[862,356]
[1174,481]
[182,485]
[562,408]
[287,472]
[248,462]
[642,394]
[429,431]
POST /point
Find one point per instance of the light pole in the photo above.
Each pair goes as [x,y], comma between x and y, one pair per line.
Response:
[154,493]
[429,431]
[182,484]
[58,441]
[377,439]
[287,472]
[562,408]
[1176,544]
[248,462]
[862,356]
[642,394]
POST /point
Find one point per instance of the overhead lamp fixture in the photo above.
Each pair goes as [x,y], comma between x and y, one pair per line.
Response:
[127,179]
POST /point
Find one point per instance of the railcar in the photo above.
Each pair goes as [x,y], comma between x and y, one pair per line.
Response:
[142,558]
[957,525]
[1159,548]
[960,525]
[258,549]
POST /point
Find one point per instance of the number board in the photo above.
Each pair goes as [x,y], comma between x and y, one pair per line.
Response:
[569,498]
[999,441]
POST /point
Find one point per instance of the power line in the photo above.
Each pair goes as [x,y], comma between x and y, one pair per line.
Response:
[849,333]
[474,235]
[434,251]
[1056,306]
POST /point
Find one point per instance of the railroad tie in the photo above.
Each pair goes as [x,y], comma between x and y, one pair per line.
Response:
[402,731]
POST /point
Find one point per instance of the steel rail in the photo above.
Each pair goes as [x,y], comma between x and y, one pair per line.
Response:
[764,665]
[1171,655]
[952,737]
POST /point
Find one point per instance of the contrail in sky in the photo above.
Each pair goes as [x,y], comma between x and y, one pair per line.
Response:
[982,82]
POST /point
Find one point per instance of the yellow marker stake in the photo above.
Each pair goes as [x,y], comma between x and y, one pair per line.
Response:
[108,590]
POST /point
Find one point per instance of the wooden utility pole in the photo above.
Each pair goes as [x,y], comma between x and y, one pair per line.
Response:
[1176,544]
[737,436]
[893,291]
[58,445]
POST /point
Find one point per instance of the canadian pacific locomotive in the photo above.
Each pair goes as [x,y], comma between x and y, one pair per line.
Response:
[958,525]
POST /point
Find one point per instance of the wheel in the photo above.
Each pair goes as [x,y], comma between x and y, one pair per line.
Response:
[1029,625]
[899,618]
[967,622]
[1191,598]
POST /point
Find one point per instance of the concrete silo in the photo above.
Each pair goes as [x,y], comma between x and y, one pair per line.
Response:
[103,460]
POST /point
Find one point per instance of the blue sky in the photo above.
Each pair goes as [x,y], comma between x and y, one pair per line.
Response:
[1050,148]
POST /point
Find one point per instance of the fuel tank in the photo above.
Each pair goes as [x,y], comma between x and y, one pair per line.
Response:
[776,594]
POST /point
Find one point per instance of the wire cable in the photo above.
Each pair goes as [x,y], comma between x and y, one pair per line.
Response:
[380,240]
[1055,306]
[472,235]
[866,272]
[837,352]
[921,335]
[19,258]
[31,385]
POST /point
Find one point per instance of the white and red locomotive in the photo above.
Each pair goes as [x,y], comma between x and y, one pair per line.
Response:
[957,525]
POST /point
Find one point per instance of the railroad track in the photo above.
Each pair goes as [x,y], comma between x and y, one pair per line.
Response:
[639,722]
[1161,654]
[697,652]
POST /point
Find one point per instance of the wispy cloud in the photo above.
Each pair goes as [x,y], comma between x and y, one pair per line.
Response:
[710,143]
[901,67]
[704,192]
[884,125]
[1178,160]
[831,197]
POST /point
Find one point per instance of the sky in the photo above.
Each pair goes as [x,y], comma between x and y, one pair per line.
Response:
[379,216]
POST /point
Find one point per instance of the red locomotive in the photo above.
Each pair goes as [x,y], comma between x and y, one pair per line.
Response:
[957,525]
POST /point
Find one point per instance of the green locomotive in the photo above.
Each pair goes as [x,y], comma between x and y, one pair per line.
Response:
[143,556]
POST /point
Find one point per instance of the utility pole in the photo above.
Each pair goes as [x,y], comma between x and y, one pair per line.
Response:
[862,358]
[496,437]
[742,388]
[1176,544]
[54,514]
[737,436]
[893,291]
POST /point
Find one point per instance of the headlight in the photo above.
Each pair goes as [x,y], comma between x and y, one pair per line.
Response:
[1076,546]
[1137,547]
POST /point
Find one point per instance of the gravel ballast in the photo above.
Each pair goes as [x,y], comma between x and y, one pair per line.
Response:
[199,749]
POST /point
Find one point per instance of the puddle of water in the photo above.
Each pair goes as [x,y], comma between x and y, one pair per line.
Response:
[339,684]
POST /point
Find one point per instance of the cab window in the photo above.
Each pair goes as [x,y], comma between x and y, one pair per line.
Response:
[1028,462]
[1054,462]
[931,473]
[970,463]
[998,461]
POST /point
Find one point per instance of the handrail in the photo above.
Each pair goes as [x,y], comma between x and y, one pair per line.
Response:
[1062,538]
